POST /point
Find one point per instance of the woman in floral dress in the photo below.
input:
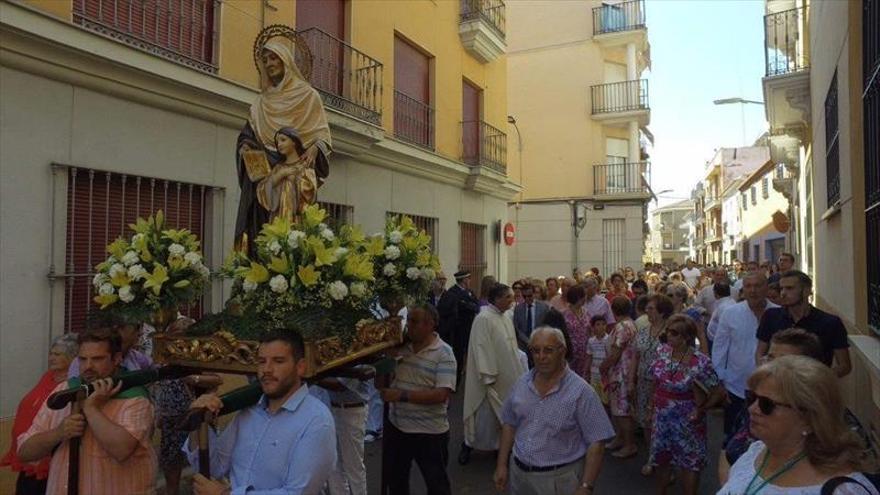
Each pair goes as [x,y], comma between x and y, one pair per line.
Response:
[577,322]
[620,368]
[685,386]
[658,310]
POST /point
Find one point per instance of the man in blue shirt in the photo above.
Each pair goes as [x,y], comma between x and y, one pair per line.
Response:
[285,444]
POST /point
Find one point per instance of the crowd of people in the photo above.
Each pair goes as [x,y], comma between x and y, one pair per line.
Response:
[557,375]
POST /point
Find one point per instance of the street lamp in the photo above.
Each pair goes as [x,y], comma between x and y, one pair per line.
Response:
[742,112]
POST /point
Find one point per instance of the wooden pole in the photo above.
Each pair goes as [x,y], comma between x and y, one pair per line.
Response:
[204,446]
[74,450]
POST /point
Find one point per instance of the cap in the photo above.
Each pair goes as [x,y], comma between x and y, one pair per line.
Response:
[462,274]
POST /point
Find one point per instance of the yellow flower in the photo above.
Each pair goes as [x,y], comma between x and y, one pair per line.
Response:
[181,284]
[118,248]
[156,279]
[423,259]
[354,233]
[106,299]
[375,246]
[323,255]
[120,279]
[277,229]
[406,223]
[257,274]
[313,215]
[308,275]
[410,243]
[358,266]
[175,262]
[279,264]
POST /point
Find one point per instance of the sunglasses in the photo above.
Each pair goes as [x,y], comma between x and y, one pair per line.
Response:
[765,404]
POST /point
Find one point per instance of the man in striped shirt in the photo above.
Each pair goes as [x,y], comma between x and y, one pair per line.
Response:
[116,455]
[418,427]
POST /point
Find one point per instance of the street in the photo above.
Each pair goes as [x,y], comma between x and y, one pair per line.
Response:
[617,477]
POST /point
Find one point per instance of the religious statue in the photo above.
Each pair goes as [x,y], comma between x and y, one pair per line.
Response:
[282,151]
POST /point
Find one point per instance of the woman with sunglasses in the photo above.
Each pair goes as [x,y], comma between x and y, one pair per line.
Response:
[796,413]
[685,386]
[680,295]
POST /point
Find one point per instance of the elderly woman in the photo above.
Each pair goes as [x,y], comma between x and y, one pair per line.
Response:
[32,476]
[618,288]
[796,414]
[620,368]
[679,294]
[685,386]
[658,310]
[577,321]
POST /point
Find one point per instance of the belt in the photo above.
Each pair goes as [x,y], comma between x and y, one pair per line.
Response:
[537,469]
[348,405]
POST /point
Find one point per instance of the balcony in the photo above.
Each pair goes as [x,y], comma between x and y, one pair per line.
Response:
[787,71]
[620,23]
[712,202]
[621,102]
[483,146]
[348,79]
[413,121]
[482,28]
[621,181]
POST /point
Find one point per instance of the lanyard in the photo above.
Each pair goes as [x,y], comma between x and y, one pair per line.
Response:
[784,469]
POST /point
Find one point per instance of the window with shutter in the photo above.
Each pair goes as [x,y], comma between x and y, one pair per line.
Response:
[180,30]
[472,258]
[413,114]
[832,152]
[765,188]
[100,205]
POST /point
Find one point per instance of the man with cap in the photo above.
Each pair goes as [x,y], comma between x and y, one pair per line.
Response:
[458,306]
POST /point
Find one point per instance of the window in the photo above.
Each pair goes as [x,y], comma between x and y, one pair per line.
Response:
[413,114]
[753,192]
[100,205]
[765,187]
[832,152]
[745,201]
[613,244]
[338,214]
[472,257]
[780,171]
[429,224]
[183,31]
[471,100]
[871,112]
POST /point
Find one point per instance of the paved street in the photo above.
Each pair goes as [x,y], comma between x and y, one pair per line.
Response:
[618,477]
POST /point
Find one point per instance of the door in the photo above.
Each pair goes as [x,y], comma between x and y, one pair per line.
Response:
[413,120]
[328,55]
[470,123]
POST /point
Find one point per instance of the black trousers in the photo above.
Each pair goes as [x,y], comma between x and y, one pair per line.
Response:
[731,412]
[429,451]
[28,485]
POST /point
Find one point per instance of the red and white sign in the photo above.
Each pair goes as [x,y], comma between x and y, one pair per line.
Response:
[509,234]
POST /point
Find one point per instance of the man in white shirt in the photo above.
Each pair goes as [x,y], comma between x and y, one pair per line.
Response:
[691,274]
[723,300]
[733,351]
[706,297]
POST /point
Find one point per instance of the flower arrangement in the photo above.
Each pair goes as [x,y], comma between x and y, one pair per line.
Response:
[156,269]
[405,266]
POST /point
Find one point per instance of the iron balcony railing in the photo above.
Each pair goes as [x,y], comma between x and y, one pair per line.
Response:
[785,41]
[483,145]
[490,11]
[182,31]
[623,16]
[413,121]
[622,96]
[621,178]
[347,78]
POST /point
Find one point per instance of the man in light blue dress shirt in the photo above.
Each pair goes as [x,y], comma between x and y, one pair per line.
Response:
[285,444]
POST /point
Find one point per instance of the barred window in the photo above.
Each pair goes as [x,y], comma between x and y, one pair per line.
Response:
[832,152]
[753,192]
[745,201]
[100,205]
[472,256]
[429,224]
[765,187]
[780,171]
[338,214]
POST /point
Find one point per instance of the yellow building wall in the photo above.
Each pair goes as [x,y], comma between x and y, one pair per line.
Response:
[57,8]
[759,217]
[552,63]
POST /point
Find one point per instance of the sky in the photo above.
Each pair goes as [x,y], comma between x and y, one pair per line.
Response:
[701,50]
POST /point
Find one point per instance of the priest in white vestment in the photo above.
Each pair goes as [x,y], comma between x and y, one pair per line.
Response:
[493,367]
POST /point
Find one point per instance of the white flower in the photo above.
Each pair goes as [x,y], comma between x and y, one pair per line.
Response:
[99,279]
[392,252]
[358,290]
[203,270]
[395,237]
[328,234]
[125,294]
[136,272]
[389,270]
[322,226]
[249,286]
[176,250]
[337,290]
[193,258]
[278,283]
[137,238]
[294,237]
[106,289]
[340,252]
[117,269]
[130,258]
[428,273]
[413,273]
[274,247]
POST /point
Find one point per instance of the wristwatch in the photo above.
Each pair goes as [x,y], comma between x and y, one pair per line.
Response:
[588,486]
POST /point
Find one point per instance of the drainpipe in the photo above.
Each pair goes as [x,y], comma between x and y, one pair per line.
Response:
[575,234]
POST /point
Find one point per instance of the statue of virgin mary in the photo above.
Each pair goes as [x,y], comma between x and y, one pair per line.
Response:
[286,101]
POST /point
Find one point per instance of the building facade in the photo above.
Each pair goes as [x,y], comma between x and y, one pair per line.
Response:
[584,173]
[668,242]
[113,109]
[763,211]
[731,223]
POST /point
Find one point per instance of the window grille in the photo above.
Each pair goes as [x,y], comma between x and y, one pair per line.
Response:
[100,205]
[832,152]
[765,187]
[753,192]
[613,239]
[430,225]
[472,257]
[871,112]
[338,214]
